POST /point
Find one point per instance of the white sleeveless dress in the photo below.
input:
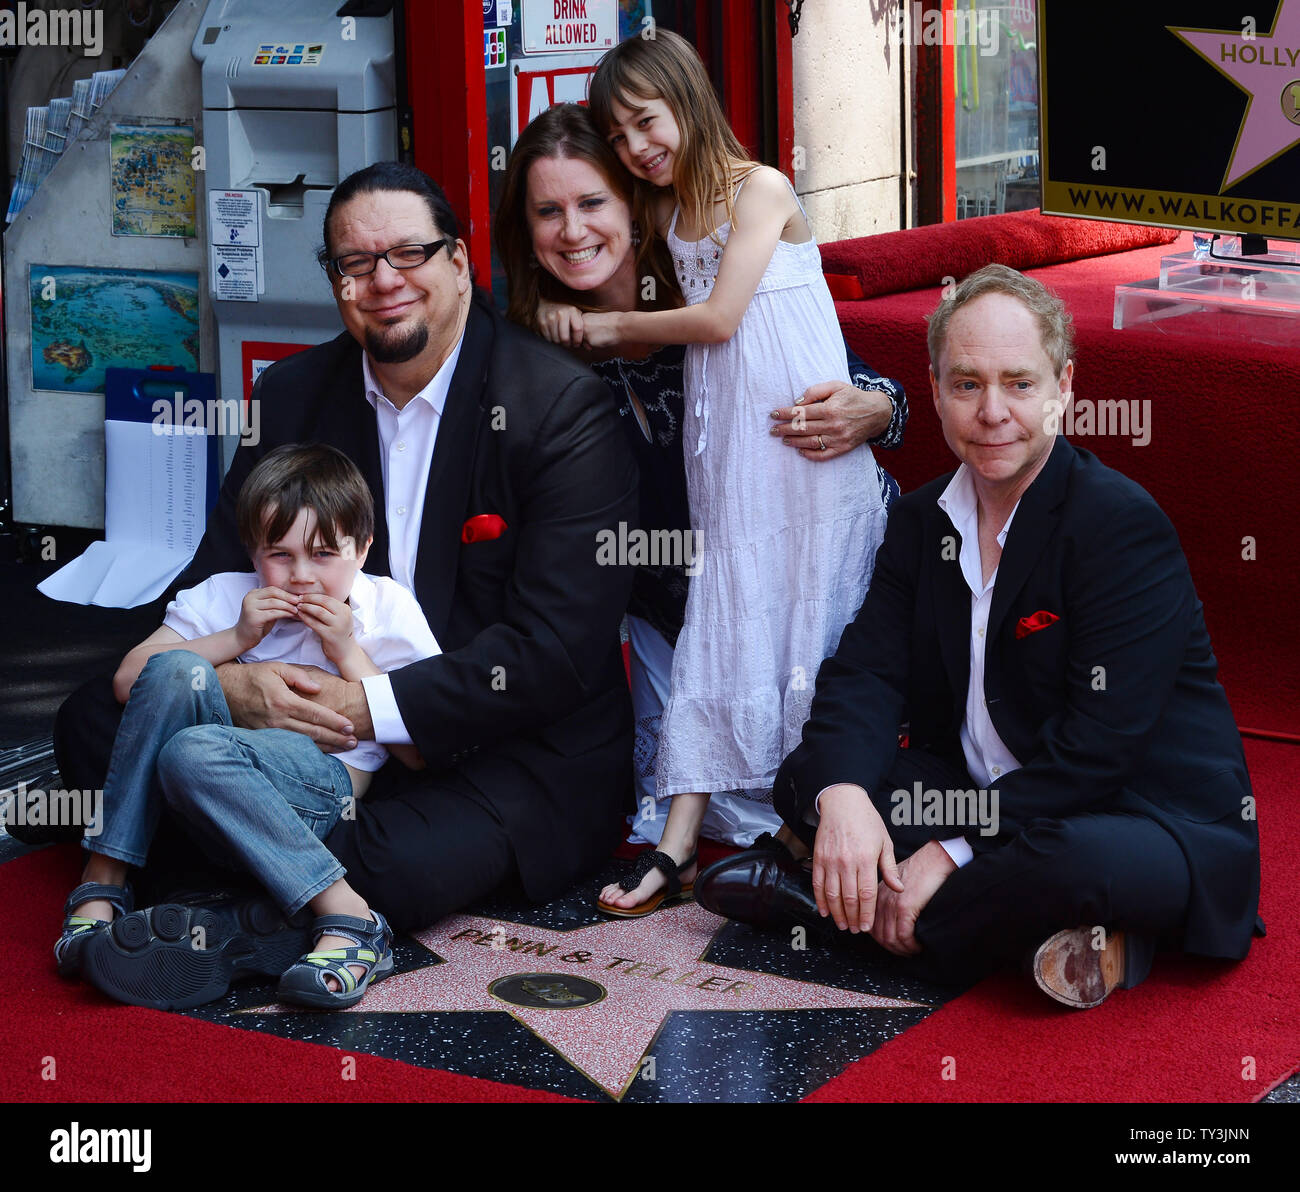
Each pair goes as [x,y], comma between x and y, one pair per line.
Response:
[784,547]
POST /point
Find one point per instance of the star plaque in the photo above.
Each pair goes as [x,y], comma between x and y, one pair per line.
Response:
[1267,68]
[597,995]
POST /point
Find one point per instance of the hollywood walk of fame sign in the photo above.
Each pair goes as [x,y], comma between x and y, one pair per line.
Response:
[1179,113]
[597,995]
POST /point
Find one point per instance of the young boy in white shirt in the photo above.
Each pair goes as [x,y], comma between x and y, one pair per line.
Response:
[263,799]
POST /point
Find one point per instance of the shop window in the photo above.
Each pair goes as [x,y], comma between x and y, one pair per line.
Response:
[996,106]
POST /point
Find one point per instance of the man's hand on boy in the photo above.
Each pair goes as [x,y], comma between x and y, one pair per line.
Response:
[302,699]
[331,621]
[261,608]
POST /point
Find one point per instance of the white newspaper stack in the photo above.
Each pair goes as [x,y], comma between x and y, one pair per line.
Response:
[156,483]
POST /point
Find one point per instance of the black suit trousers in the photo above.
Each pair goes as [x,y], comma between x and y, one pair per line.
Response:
[1111,870]
[419,848]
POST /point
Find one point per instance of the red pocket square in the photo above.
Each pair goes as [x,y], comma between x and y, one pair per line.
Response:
[1040,620]
[483,528]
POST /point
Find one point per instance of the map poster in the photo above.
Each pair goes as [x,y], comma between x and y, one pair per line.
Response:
[1180,113]
[86,320]
[152,179]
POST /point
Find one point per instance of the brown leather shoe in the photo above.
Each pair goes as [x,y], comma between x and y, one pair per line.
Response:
[1069,969]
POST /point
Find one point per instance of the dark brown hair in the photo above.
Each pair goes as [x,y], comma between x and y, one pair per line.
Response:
[565,130]
[301,476]
[391,176]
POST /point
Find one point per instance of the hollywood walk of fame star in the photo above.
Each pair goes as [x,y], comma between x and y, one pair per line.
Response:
[647,968]
[1267,68]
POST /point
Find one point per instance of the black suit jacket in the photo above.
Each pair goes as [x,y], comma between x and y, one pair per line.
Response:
[529,700]
[1114,707]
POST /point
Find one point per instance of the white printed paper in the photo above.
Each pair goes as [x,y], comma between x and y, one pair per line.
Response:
[155,509]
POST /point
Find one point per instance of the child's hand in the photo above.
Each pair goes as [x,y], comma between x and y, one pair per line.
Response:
[331,621]
[601,331]
[261,608]
[560,323]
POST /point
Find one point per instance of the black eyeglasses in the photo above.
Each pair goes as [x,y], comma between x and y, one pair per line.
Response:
[403,256]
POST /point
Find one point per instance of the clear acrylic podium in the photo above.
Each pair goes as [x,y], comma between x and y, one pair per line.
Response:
[1219,296]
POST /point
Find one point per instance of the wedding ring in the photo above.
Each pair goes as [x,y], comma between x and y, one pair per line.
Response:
[822,442]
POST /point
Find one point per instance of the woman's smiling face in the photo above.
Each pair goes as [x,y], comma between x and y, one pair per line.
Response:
[581,227]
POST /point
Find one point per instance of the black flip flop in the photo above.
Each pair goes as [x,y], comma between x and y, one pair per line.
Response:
[675,891]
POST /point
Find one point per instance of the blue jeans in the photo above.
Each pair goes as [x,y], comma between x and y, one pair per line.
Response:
[263,799]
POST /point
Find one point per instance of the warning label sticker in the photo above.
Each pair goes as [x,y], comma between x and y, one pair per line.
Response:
[235,272]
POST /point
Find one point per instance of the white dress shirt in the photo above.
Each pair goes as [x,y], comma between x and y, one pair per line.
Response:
[406,441]
[987,757]
[387,620]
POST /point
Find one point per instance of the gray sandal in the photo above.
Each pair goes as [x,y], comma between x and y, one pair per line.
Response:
[77,929]
[303,984]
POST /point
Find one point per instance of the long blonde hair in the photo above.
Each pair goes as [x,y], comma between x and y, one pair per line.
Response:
[565,131]
[667,67]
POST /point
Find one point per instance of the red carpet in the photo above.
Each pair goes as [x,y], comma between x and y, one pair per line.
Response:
[100,1052]
[1186,1034]
[1180,1036]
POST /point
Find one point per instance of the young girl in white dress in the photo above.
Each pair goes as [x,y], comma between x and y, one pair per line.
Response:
[784,551]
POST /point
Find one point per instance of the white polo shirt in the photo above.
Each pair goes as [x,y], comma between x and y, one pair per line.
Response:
[388,624]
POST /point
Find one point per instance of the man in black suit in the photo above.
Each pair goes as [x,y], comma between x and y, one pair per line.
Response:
[495,461]
[1071,758]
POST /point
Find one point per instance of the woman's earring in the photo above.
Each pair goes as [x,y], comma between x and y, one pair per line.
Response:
[532,259]
[636,234]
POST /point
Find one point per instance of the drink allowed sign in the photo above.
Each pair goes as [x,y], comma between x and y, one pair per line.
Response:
[562,26]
